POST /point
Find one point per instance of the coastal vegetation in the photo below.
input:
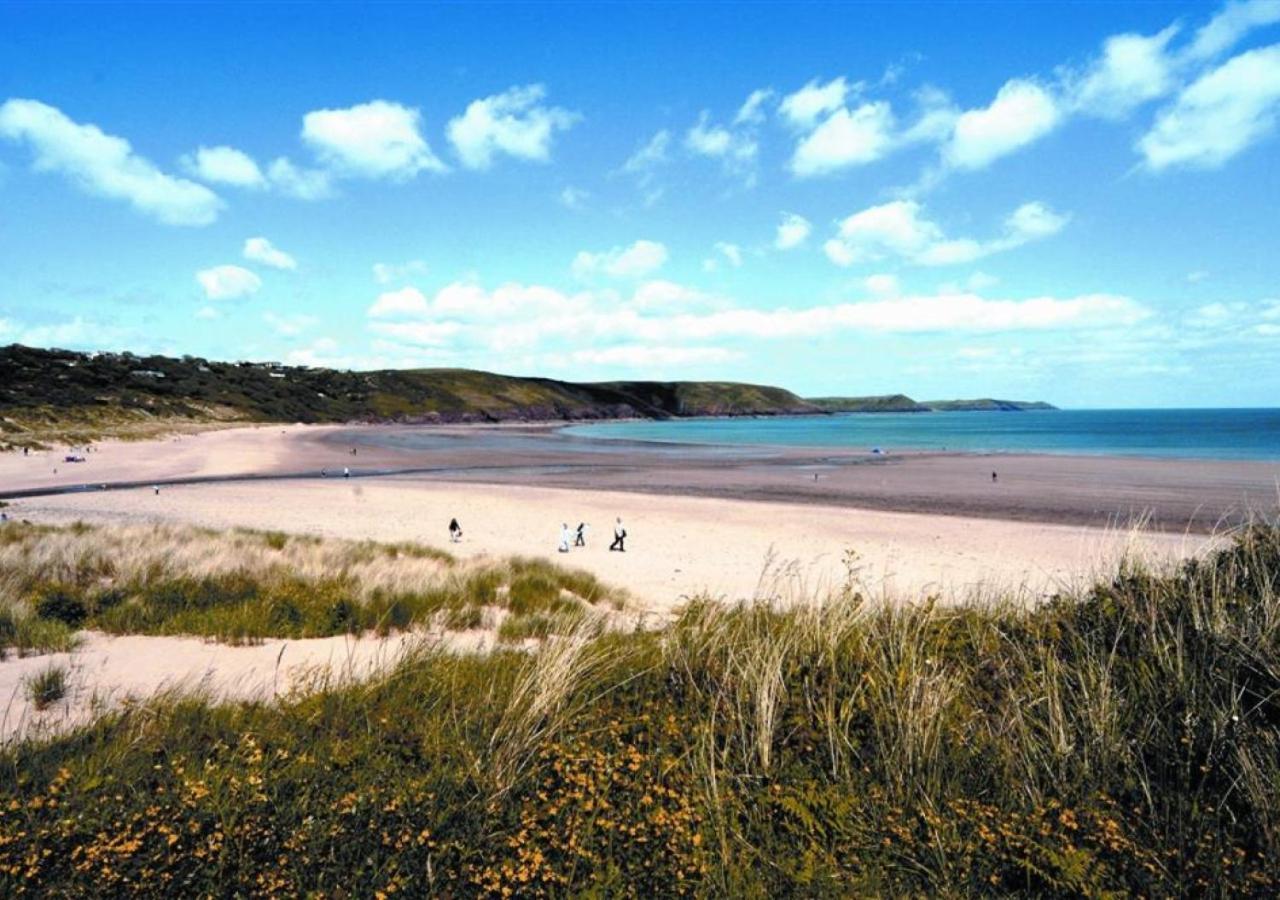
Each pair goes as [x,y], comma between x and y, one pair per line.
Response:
[244,585]
[64,397]
[903,403]
[61,395]
[1125,740]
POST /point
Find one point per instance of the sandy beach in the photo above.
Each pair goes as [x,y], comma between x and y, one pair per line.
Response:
[729,524]
[700,520]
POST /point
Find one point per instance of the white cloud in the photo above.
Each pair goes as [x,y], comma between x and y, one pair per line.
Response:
[882,285]
[104,164]
[639,259]
[573,198]
[752,110]
[651,154]
[208,313]
[408,302]
[803,108]
[305,184]
[378,139]
[224,165]
[385,273]
[649,357]
[1021,112]
[846,138]
[1218,115]
[736,149]
[731,252]
[289,326]
[1232,22]
[512,122]
[417,334]
[1132,70]
[793,231]
[259,249]
[228,282]
[898,228]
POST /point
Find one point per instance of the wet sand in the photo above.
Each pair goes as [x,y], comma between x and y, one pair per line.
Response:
[1171,495]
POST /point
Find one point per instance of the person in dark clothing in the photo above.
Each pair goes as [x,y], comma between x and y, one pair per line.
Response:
[580,536]
[455,531]
[993,477]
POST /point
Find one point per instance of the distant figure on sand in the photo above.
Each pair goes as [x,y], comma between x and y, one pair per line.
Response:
[346,471]
[993,477]
[619,537]
[580,536]
[455,531]
[156,488]
[564,537]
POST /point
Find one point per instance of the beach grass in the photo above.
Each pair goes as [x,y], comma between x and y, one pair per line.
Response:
[242,586]
[1122,741]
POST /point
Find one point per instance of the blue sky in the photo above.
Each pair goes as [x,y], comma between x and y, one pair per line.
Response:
[1074,202]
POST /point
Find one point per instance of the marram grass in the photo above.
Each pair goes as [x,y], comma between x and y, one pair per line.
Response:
[1121,742]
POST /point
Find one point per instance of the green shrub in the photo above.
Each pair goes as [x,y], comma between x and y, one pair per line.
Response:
[59,603]
[47,687]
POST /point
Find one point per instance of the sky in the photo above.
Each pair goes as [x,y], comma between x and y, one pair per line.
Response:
[1074,202]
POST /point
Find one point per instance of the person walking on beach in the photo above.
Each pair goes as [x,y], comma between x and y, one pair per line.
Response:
[580,536]
[993,477]
[564,537]
[455,531]
[619,537]
[346,471]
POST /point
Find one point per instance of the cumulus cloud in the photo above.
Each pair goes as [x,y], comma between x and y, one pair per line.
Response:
[752,110]
[224,165]
[378,139]
[305,184]
[571,197]
[408,302]
[793,231]
[513,122]
[261,250]
[1218,115]
[639,259]
[736,148]
[289,325]
[803,108]
[228,282]
[106,165]
[650,357]
[651,154]
[385,273]
[1132,69]
[1232,23]
[899,228]
[1021,112]
[845,138]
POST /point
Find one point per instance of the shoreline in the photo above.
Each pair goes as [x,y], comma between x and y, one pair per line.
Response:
[1173,495]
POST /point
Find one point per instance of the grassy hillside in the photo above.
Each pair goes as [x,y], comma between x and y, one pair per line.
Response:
[882,403]
[58,391]
[903,403]
[1122,742]
[986,404]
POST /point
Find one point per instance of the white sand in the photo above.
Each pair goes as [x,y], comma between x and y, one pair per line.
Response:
[677,546]
[106,671]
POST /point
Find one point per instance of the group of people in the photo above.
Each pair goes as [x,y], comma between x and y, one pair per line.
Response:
[577,536]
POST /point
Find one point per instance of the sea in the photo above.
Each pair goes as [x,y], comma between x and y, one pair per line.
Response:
[1180,433]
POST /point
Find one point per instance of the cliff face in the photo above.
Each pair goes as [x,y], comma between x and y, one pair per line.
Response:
[52,385]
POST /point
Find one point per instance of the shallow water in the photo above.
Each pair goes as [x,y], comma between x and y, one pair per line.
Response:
[1186,433]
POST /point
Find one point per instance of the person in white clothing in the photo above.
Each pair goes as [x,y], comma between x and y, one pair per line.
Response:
[619,537]
[564,537]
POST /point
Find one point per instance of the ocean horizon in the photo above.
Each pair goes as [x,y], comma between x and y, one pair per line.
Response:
[1231,433]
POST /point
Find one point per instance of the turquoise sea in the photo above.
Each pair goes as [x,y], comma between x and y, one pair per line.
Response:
[1191,433]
